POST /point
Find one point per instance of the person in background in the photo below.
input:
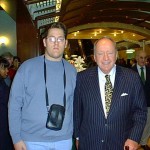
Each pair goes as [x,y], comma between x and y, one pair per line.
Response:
[148,62]
[109,104]
[141,58]
[90,61]
[28,112]
[10,59]
[11,71]
[133,62]
[16,62]
[5,138]
[121,62]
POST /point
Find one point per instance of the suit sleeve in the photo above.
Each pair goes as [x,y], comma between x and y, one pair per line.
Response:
[139,111]
[77,107]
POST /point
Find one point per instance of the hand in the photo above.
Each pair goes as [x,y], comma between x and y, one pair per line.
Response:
[20,146]
[132,145]
[77,144]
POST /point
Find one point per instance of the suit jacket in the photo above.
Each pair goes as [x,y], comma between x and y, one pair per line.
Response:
[126,118]
[146,85]
[4,95]
[5,139]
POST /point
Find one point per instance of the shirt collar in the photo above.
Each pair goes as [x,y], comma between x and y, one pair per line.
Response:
[111,73]
[139,67]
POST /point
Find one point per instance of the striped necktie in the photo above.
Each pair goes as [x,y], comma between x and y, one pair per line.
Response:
[108,93]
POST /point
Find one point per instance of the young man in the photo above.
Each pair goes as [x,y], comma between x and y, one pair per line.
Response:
[28,113]
[109,103]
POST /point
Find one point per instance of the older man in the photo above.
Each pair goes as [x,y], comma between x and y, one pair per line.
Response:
[144,73]
[109,103]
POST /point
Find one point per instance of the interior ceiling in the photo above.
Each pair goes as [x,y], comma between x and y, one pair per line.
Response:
[127,21]
[1,8]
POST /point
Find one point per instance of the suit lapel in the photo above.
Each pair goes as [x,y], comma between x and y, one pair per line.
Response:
[95,88]
[118,88]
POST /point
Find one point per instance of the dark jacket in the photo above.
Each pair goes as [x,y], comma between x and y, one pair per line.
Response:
[5,139]
[146,85]
[126,118]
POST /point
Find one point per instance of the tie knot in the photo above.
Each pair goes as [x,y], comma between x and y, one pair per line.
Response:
[107,77]
[142,68]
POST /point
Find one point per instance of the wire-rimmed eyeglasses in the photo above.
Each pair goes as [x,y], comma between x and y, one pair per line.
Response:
[54,39]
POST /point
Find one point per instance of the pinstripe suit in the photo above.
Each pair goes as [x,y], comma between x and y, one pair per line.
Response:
[126,118]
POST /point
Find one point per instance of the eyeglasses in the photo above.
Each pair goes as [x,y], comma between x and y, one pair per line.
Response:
[54,39]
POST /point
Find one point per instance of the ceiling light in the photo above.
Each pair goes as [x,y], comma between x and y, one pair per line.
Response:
[58,5]
[95,34]
[130,51]
[56,18]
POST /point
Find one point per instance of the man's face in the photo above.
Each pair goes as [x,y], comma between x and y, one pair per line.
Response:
[55,44]
[3,72]
[105,55]
[10,60]
[141,58]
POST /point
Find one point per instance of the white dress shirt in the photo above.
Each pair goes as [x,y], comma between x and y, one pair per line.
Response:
[102,81]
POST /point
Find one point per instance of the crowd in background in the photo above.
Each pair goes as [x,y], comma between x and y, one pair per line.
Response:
[120,61]
[130,62]
[8,67]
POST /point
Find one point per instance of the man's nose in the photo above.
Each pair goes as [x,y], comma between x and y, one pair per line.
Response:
[105,56]
[56,41]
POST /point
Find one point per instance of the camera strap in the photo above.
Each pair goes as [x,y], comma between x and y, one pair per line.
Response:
[46,93]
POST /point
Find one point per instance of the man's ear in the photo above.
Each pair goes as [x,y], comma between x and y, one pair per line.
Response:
[44,42]
[94,57]
[66,43]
